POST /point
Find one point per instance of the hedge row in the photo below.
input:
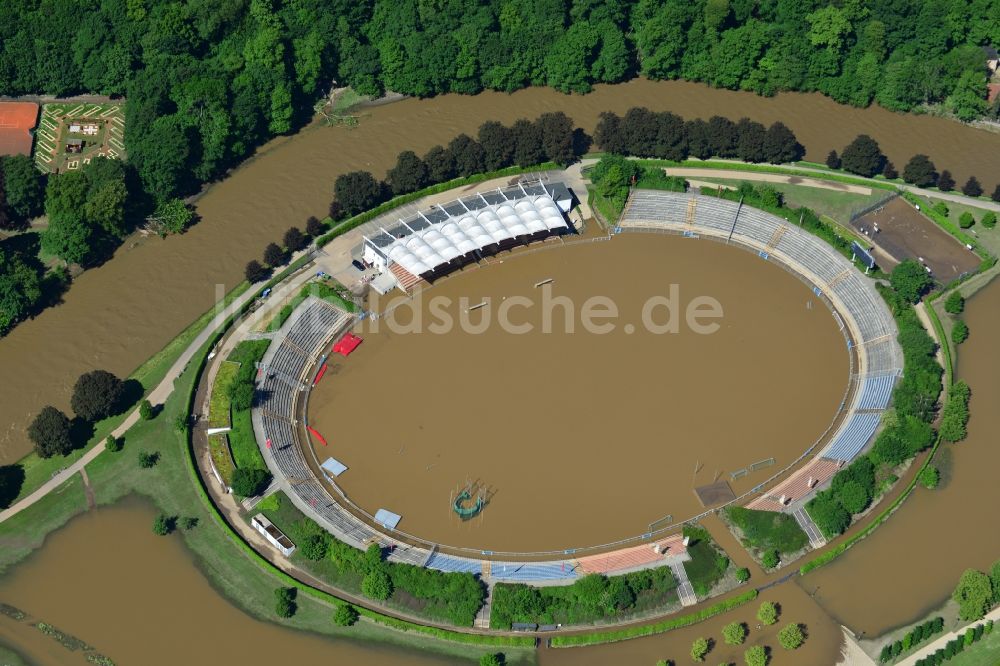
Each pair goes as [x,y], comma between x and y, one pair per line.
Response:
[598,637]
[955,646]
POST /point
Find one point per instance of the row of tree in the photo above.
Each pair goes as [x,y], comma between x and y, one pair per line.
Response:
[97,395]
[665,135]
[551,137]
[864,157]
[955,646]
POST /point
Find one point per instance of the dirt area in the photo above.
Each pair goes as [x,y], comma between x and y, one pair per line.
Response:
[905,233]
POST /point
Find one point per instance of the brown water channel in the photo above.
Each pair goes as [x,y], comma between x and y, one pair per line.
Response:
[581,437]
[116,316]
[913,561]
[141,600]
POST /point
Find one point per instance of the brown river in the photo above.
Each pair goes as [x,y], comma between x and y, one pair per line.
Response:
[160,608]
[116,316]
[161,611]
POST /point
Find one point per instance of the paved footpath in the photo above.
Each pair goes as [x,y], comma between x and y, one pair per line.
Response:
[157,396]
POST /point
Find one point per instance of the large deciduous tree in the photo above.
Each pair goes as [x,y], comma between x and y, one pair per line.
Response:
[357,191]
[863,156]
[50,433]
[920,171]
[96,395]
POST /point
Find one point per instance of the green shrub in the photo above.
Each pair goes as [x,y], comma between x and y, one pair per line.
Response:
[941,208]
[828,513]
[377,585]
[955,414]
[147,459]
[955,303]
[959,332]
[146,411]
[345,615]
[755,656]
[249,482]
[492,659]
[966,220]
[699,648]
[929,477]
[989,220]
[791,637]
[742,574]
[285,605]
[734,633]
[164,525]
[768,612]
[114,444]
[770,559]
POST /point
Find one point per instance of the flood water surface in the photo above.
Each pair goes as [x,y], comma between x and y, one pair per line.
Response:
[116,316]
[580,437]
[139,599]
[912,562]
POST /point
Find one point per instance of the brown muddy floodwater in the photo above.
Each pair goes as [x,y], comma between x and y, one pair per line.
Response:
[583,438]
[143,601]
[912,562]
[139,599]
[116,316]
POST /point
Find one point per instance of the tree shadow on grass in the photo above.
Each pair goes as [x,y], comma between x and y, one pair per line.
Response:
[131,394]
[81,431]
[11,480]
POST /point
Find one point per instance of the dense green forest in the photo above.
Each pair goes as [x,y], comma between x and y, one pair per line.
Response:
[208,80]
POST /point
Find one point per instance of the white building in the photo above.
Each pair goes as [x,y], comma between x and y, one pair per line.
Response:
[274,536]
[436,242]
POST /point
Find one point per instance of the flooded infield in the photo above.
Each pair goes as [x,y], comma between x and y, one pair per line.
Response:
[581,438]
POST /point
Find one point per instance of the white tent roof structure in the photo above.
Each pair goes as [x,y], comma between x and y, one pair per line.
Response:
[429,241]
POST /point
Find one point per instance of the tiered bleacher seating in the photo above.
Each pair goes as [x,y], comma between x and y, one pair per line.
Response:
[853,437]
[527,572]
[797,486]
[868,318]
[634,557]
[876,391]
[449,563]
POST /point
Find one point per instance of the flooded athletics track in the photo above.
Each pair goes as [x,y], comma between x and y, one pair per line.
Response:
[585,438]
[912,563]
[116,316]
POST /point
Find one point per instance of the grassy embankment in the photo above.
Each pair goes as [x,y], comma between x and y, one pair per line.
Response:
[38,470]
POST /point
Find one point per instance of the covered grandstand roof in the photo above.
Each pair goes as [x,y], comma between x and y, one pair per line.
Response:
[435,237]
[17,119]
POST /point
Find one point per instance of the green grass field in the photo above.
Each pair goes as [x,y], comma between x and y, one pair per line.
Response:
[218,405]
[837,205]
[218,448]
[768,530]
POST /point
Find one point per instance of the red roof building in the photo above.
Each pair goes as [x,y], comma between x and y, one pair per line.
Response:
[347,344]
[992,92]
[17,119]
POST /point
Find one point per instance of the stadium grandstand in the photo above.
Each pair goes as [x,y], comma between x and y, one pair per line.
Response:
[436,242]
[432,247]
[867,323]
